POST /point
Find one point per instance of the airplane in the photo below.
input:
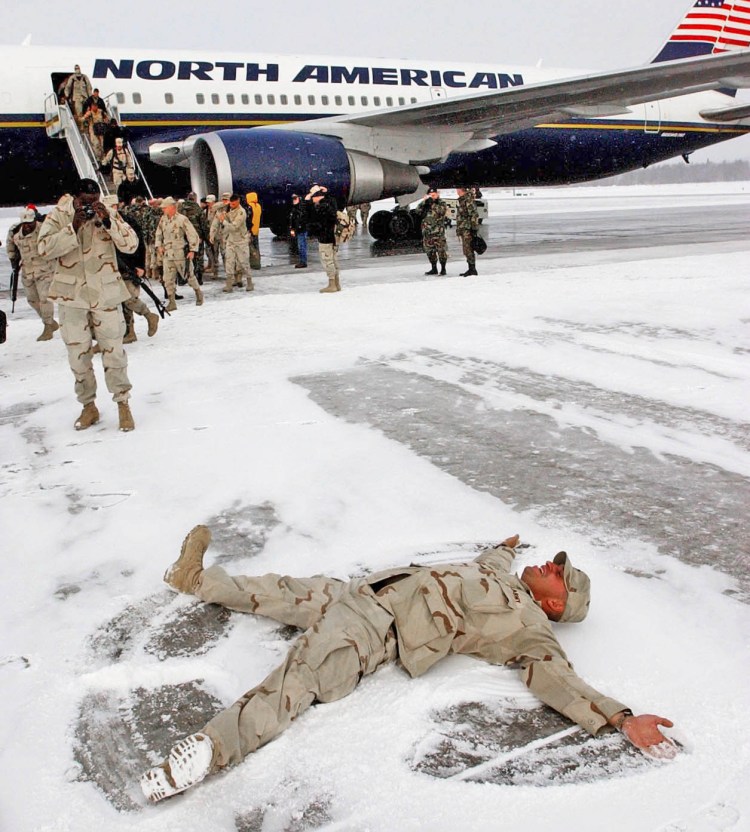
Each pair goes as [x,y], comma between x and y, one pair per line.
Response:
[376,129]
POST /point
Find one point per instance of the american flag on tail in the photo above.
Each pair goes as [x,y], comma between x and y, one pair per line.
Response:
[726,26]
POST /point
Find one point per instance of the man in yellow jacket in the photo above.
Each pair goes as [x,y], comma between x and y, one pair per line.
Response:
[416,615]
[254,210]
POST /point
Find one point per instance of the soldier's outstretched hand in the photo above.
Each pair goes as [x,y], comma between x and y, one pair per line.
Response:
[643,732]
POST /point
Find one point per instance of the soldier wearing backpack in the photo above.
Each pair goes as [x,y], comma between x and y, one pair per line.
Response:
[323,216]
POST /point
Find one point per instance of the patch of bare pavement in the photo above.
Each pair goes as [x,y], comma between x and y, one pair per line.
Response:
[691,511]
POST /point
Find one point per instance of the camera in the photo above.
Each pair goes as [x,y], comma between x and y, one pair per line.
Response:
[88,212]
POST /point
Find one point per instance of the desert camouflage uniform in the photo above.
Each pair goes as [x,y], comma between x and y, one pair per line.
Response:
[237,257]
[89,290]
[467,225]
[364,212]
[434,212]
[77,91]
[122,164]
[216,233]
[174,235]
[417,615]
[197,217]
[351,212]
[148,221]
[89,122]
[36,271]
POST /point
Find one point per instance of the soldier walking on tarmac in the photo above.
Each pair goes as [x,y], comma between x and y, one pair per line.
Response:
[83,234]
[174,235]
[235,234]
[467,225]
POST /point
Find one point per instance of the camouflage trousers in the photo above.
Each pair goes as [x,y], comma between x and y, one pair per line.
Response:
[172,268]
[36,295]
[329,259]
[135,304]
[348,634]
[79,328]
[237,262]
[153,262]
[435,248]
[466,237]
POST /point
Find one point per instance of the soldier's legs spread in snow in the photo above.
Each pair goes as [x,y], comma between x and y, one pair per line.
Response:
[351,640]
[300,602]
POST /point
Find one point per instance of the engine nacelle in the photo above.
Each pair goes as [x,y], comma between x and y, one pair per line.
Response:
[277,163]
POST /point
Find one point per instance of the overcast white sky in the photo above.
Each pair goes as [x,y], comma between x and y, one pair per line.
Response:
[576,33]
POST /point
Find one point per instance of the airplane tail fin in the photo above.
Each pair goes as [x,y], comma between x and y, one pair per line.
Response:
[708,28]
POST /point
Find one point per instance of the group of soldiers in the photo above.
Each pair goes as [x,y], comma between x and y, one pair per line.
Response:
[434,212]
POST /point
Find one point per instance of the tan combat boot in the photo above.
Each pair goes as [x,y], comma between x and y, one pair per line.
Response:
[184,573]
[338,284]
[171,306]
[89,416]
[47,332]
[126,417]
[250,285]
[198,296]
[229,285]
[153,323]
[331,287]
[130,335]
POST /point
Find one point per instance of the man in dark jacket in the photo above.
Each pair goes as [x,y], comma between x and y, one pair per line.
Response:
[323,217]
[298,228]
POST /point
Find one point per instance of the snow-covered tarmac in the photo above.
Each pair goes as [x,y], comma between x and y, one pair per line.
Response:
[593,401]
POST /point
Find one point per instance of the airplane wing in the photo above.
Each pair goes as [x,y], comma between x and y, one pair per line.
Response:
[591,96]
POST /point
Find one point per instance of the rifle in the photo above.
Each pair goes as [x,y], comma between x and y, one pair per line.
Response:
[14,285]
[141,283]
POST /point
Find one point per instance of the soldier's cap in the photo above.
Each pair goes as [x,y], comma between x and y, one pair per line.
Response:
[226,195]
[210,197]
[296,196]
[579,590]
[27,215]
[86,186]
[118,140]
[168,201]
[432,190]
[110,201]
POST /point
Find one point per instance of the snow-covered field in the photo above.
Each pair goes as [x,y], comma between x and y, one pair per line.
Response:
[577,405]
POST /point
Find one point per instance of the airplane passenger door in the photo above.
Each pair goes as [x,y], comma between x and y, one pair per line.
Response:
[437,92]
[652,122]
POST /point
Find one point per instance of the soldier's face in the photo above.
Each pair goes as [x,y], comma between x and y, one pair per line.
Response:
[234,203]
[169,210]
[545,582]
[27,228]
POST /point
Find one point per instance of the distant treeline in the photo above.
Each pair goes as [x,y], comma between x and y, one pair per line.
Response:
[670,173]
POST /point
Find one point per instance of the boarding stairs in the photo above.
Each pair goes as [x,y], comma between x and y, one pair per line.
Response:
[60,124]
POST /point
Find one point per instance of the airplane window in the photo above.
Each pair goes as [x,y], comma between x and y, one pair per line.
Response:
[376,101]
[168,98]
[230,98]
[283,99]
[258,99]
[389,102]
[136,98]
[271,99]
[324,100]
[245,99]
[401,100]
[311,99]
[200,98]
[338,100]
[351,101]
[298,100]
[214,98]
[364,100]
[414,101]
[120,97]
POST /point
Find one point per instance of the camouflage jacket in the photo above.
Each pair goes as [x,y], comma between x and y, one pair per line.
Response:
[216,232]
[197,217]
[176,234]
[482,610]
[433,218]
[26,249]
[467,218]
[148,219]
[86,274]
[234,225]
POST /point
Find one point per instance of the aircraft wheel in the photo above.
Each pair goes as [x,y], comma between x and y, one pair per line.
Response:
[379,225]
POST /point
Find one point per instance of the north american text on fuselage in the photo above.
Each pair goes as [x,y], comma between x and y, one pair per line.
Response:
[163,70]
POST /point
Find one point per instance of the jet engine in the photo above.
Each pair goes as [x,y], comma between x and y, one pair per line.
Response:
[278,163]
